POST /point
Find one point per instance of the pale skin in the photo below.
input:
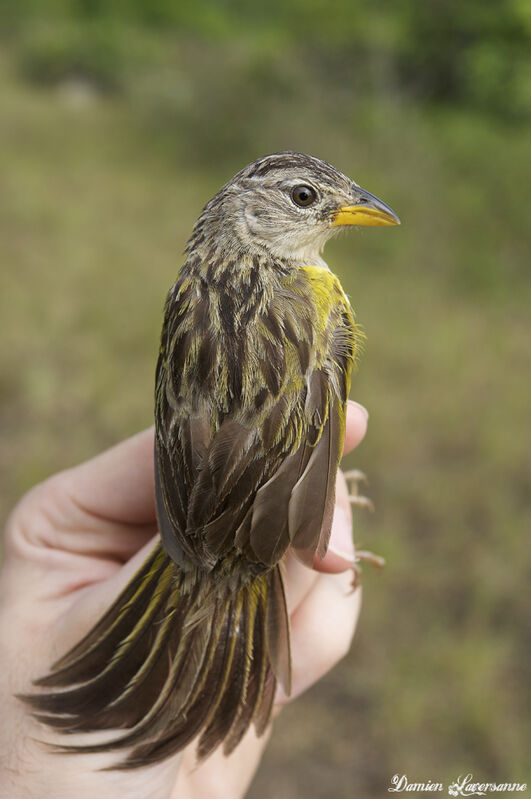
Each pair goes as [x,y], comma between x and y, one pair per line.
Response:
[70,545]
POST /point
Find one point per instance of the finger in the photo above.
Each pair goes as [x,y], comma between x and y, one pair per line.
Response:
[357,419]
[67,545]
[117,485]
[220,775]
[95,599]
[82,533]
[322,628]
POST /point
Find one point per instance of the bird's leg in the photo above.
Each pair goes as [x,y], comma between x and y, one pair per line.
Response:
[354,477]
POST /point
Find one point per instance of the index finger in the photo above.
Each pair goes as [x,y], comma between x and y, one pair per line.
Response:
[118,484]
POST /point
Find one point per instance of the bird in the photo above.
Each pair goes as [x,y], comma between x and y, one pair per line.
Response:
[258,344]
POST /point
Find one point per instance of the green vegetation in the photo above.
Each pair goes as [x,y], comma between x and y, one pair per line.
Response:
[118,121]
[475,53]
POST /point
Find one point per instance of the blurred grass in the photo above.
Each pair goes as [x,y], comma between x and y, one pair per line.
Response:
[97,198]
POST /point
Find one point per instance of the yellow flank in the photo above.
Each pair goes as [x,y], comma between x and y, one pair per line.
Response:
[328,293]
[324,276]
[326,289]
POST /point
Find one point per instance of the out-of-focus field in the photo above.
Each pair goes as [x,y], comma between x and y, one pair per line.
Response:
[95,209]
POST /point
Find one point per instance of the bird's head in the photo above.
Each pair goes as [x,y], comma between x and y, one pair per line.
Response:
[288,205]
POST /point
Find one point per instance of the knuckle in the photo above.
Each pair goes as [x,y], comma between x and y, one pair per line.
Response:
[31,522]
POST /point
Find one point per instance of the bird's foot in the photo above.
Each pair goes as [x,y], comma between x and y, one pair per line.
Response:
[354,477]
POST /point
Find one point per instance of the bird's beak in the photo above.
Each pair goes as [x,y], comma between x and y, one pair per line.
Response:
[368,210]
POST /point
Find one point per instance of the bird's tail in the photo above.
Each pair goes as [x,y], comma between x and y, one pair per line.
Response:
[174,658]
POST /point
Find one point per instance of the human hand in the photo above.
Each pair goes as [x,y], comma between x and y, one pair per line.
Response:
[71,545]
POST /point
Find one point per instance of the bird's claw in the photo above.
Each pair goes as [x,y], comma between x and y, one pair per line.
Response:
[354,477]
[364,556]
[359,501]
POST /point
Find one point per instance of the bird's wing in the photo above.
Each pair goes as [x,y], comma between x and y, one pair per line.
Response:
[241,493]
[238,489]
[294,506]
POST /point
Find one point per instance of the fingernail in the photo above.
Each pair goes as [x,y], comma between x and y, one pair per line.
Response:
[360,407]
[341,543]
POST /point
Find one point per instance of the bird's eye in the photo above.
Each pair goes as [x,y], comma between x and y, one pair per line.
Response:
[303,195]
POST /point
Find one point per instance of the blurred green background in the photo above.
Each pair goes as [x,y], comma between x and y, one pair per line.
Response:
[118,120]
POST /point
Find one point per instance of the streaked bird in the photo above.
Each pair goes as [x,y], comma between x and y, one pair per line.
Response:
[257,348]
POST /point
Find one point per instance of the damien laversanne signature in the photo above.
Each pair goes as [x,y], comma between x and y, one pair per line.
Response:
[462,786]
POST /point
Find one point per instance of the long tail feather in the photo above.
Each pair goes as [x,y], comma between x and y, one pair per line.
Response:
[170,661]
[84,660]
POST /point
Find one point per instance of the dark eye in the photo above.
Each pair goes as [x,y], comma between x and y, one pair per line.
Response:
[303,195]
